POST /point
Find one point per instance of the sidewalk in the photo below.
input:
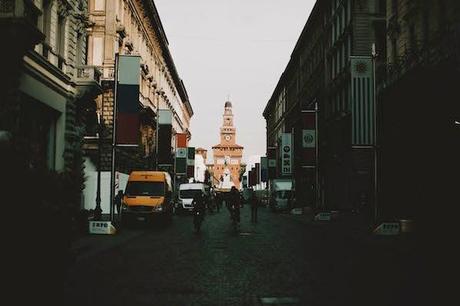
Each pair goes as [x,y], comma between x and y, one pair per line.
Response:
[384,270]
[88,245]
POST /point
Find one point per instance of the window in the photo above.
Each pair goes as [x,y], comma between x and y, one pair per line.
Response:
[426,25]
[382,7]
[46,26]
[412,38]
[60,39]
[145,188]
[394,7]
[394,51]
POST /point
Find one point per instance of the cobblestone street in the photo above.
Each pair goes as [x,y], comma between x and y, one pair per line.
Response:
[288,257]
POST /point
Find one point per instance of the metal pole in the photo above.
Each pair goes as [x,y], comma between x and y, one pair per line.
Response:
[114,139]
[317,189]
[374,56]
[157,130]
[98,210]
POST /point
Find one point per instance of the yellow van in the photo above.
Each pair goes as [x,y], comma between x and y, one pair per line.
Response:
[148,194]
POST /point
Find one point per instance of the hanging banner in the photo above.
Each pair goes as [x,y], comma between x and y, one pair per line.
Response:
[257,173]
[286,154]
[362,101]
[191,156]
[164,144]
[181,165]
[127,99]
[271,156]
[309,138]
[263,169]
[181,152]
[181,140]
[165,117]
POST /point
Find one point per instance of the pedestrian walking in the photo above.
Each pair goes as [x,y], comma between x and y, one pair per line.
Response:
[117,202]
[254,202]
[234,203]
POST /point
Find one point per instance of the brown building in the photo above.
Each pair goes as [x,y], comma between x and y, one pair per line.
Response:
[418,98]
[227,154]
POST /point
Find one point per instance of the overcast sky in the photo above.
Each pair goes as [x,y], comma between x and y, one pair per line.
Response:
[236,48]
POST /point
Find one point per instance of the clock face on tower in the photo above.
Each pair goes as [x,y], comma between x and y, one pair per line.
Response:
[228,137]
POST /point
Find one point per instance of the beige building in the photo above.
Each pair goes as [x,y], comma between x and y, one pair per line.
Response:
[48,97]
[227,154]
[134,27]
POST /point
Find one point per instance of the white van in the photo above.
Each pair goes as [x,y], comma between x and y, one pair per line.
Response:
[187,192]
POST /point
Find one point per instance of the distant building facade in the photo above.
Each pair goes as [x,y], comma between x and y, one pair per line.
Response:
[227,155]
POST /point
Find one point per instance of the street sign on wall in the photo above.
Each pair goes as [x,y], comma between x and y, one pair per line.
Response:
[286,154]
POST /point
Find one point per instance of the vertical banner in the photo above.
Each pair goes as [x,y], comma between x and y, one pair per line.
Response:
[127,99]
[362,100]
[165,136]
[309,138]
[181,161]
[190,162]
[286,154]
[263,169]
[181,140]
[257,173]
[271,156]
[164,144]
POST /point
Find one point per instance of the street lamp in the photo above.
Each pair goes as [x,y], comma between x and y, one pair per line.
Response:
[98,210]
[374,58]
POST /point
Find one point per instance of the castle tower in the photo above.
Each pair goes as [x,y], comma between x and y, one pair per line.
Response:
[227,154]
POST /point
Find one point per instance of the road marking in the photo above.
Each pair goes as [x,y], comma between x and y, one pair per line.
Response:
[279,300]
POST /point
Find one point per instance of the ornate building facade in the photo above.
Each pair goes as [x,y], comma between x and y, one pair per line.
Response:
[134,27]
[227,154]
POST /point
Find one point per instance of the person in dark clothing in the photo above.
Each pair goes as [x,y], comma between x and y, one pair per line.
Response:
[234,203]
[117,202]
[199,209]
[254,202]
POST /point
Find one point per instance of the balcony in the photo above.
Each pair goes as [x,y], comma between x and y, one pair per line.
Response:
[443,47]
[88,79]
[19,19]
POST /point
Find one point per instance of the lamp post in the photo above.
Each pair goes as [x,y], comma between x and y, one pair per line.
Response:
[98,210]
[374,58]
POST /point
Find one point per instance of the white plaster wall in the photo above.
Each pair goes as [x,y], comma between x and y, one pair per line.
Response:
[89,193]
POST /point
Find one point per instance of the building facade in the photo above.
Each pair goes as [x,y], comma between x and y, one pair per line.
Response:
[330,74]
[227,155]
[134,27]
[418,98]
[48,100]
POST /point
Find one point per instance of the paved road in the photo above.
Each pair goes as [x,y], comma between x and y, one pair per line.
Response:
[286,257]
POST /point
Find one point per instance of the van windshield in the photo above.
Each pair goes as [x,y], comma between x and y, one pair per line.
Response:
[189,193]
[283,194]
[145,188]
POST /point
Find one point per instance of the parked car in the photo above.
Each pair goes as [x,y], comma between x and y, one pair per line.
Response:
[186,193]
